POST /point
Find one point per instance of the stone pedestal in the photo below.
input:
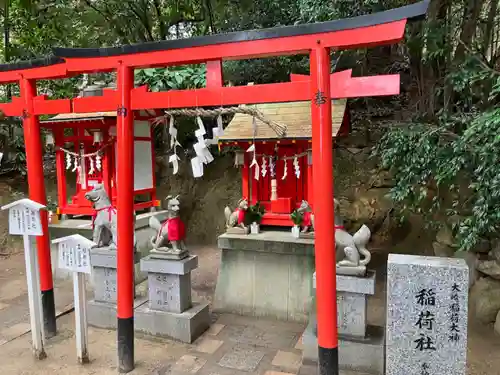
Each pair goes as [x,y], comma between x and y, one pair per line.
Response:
[265,275]
[102,309]
[361,347]
[104,274]
[170,311]
[169,283]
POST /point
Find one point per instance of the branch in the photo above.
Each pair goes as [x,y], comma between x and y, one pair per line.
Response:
[159,15]
[108,18]
[211,16]
[480,61]
[143,21]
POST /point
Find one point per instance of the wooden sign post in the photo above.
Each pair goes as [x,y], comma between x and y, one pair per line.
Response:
[24,220]
[74,255]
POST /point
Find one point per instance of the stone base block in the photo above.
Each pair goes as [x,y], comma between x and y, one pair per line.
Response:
[354,284]
[151,264]
[185,327]
[168,254]
[169,292]
[103,315]
[104,274]
[238,230]
[265,275]
[356,354]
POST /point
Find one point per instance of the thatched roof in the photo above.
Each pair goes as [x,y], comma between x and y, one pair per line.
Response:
[67,117]
[295,115]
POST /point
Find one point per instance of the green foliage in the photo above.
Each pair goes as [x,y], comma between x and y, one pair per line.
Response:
[175,78]
[297,217]
[255,213]
[451,172]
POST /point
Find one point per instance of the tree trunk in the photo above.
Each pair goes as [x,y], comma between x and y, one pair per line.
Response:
[472,10]
[490,26]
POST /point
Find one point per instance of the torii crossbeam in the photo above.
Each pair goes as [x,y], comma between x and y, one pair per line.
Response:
[317,40]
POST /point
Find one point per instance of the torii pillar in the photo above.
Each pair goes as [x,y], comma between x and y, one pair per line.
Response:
[36,184]
[324,246]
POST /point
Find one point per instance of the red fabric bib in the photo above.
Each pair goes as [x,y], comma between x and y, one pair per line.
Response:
[307,219]
[241,215]
[176,229]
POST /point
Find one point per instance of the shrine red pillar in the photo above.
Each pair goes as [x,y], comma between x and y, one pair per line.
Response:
[62,197]
[106,163]
[326,292]
[125,205]
[36,186]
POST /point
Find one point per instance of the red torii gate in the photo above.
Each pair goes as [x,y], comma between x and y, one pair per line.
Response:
[314,39]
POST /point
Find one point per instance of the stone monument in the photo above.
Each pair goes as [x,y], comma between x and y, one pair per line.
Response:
[427,300]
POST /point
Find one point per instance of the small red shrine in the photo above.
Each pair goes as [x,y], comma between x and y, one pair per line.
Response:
[86,146]
[282,175]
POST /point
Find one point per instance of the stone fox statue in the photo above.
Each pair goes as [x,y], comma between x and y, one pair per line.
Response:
[172,232]
[349,249]
[308,217]
[237,217]
[104,221]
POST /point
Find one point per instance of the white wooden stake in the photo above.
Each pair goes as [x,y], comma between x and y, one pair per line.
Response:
[80,317]
[24,220]
[74,255]
[34,299]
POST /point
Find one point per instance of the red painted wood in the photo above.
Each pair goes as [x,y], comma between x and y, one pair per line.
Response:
[345,86]
[309,188]
[383,34]
[36,180]
[321,113]
[245,178]
[62,196]
[125,195]
[106,165]
[280,220]
[282,206]
[214,73]
[14,108]
[43,106]
[107,102]
[45,72]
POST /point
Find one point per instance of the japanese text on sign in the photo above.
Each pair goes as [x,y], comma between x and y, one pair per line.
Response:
[454,314]
[74,257]
[425,322]
[24,220]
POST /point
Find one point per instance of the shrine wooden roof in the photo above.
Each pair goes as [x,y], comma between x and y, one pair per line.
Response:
[295,115]
[67,117]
